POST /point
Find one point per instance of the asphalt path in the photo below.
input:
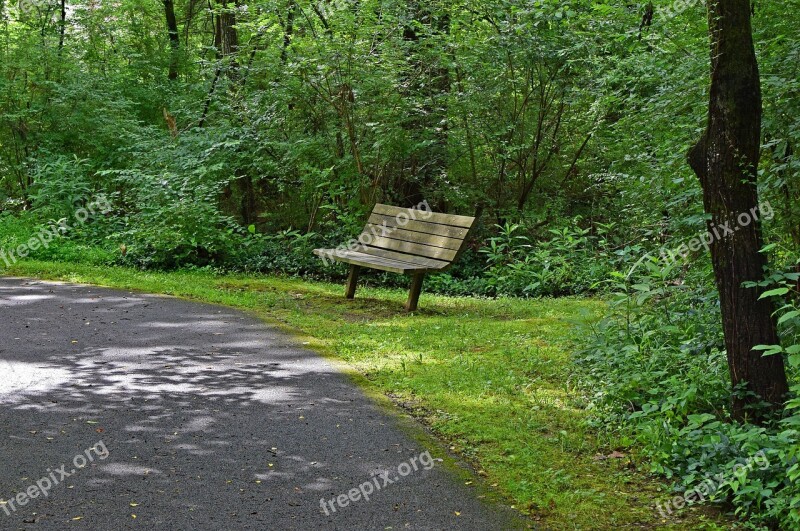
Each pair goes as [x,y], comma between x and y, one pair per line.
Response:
[130,411]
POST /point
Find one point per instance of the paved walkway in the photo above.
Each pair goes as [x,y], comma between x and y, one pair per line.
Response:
[191,416]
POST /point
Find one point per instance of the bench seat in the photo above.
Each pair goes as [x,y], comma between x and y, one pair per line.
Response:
[370,260]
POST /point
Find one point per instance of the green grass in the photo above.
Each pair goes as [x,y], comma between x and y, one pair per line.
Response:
[491,378]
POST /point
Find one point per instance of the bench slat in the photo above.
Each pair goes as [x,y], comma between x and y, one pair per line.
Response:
[367,260]
[371,231]
[416,261]
[423,215]
[416,249]
[421,226]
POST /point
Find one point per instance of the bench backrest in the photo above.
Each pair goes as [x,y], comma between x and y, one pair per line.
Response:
[419,237]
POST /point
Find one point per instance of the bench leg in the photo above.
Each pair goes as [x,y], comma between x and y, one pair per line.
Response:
[416,289]
[352,281]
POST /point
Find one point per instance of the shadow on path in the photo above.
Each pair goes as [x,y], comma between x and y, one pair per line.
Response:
[212,420]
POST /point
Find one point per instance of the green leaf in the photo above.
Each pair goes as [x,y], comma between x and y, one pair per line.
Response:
[791,315]
[768,248]
[770,350]
[700,419]
[773,292]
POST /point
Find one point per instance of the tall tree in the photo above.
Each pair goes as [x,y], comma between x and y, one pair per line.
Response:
[726,161]
[62,26]
[226,43]
[226,37]
[174,37]
[288,31]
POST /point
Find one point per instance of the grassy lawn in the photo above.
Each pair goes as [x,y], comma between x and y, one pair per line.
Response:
[491,378]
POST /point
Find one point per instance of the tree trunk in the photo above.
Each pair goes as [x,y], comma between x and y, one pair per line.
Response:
[288,31]
[174,37]
[726,160]
[62,26]
[226,39]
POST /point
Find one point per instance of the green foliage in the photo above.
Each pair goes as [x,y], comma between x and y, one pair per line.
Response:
[658,368]
[289,252]
[60,185]
[569,261]
[82,244]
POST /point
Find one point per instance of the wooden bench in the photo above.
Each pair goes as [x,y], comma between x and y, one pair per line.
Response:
[405,241]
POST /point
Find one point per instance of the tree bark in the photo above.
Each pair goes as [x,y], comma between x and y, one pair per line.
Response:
[174,37]
[725,160]
[226,39]
[288,31]
[62,26]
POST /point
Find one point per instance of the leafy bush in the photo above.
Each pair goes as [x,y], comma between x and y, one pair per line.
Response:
[289,252]
[82,244]
[569,262]
[61,184]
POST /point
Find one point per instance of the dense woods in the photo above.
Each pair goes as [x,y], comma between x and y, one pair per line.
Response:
[239,136]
